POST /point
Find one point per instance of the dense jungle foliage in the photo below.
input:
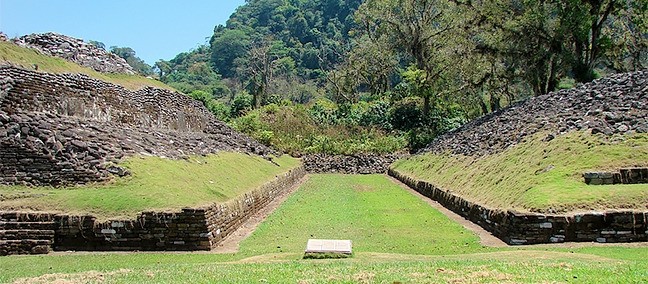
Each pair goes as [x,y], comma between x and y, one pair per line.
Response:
[377,75]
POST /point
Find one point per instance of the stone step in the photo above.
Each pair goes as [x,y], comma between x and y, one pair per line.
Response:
[25,217]
[27,246]
[27,225]
[27,234]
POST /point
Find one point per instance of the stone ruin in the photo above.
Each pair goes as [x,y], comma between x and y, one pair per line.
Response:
[350,164]
[77,51]
[65,129]
[623,176]
[613,105]
[617,104]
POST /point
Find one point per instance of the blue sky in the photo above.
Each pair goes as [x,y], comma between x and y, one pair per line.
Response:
[154,29]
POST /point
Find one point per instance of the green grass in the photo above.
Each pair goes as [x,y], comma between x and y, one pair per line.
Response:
[156,184]
[164,268]
[394,242]
[541,176]
[373,212]
[26,58]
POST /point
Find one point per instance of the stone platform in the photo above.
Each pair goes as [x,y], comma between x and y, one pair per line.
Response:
[329,247]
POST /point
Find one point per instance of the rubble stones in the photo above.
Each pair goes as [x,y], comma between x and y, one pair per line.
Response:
[72,129]
[77,51]
[617,104]
[351,164]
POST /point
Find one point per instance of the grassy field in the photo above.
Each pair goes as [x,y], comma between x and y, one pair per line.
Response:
[156,184]
[26,58]
[373,212]
[541,176]
[399,240]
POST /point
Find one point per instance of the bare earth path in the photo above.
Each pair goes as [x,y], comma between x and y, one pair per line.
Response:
[231,243]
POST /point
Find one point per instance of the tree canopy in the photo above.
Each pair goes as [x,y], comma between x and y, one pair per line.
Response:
[426,65]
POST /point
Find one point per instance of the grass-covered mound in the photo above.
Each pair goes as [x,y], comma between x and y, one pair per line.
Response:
[26,57]
[155,184]
[540,176]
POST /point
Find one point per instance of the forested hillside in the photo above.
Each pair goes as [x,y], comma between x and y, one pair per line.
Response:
[381,75]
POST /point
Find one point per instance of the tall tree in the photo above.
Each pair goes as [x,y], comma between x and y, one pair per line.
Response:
[228,45]
[585,20]
[259,68]
[419,28]
[629,50]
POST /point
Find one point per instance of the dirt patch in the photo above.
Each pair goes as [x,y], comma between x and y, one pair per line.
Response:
[232,242]
[483,276]
[364,277]
[363,188]
[486,238]
[72,278]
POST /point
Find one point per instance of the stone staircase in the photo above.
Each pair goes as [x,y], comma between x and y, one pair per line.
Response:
[26,233]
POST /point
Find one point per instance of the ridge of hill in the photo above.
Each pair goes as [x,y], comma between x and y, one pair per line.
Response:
[29,58]
[77,51]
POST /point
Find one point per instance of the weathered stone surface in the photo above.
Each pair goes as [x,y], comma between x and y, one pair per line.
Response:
[186,230]
[613,105]
[518,228]
[72,129]
[350,164]
[623,176]
[76,50]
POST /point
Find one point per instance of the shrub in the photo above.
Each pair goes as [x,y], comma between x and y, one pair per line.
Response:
[241,104]
[376,114]
[406,115]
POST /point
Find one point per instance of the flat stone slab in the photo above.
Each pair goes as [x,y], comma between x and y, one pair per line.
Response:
[329,246]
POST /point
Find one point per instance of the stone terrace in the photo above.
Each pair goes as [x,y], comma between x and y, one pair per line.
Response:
[73,129]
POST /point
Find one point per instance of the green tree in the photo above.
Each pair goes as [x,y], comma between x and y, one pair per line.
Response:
[629,48]
[227,46]
[419,28]
[131,58]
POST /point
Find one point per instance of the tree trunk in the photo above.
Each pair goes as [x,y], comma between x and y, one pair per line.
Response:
[426,106]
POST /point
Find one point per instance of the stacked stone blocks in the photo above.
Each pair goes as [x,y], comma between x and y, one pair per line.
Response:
[190,229]
[518,228]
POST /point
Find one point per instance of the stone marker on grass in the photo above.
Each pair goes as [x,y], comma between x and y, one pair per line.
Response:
[328,249]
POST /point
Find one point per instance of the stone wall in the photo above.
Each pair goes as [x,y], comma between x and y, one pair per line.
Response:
[188,230]
[223,219]
[82,96]
[623,176]
[26,233]
[350,164]
[516,228]
[76,50]
[64,129]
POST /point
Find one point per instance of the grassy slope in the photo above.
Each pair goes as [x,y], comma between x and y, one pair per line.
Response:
[516,178]
[157,184]
[324,206]
[26,58]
